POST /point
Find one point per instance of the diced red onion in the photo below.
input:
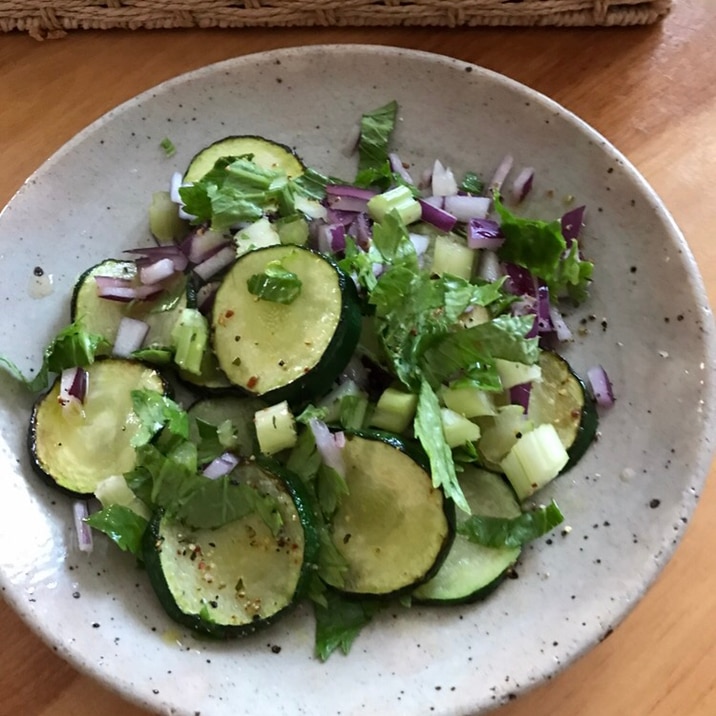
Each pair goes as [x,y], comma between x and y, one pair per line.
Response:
[520,394]
[544,311]
[329,445]
[360,230]
[489,267]
[73,386]
[342,197]
[572,224]
[600,386]
[484,234]
[220,466]
[331,238]
[500,174]
[465,207]
[397,166]
[334,216]
[561,329]
[355,372]
[215,263]
[80,511]
[522,184]
[157,271]
[420,242]
[443,180]
[436,215]
[123,290]
[201,244]
[130,336]
[521,281]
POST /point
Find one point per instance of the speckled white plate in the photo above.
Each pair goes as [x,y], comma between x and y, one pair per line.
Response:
[627,502]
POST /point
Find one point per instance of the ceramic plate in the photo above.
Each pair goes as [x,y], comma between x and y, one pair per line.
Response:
[627,503]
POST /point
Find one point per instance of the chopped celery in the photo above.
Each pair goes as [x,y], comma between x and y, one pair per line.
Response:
[512,373]
[501,431]
[399,199]
[256,236]
[469,401]
[293,230]
[114,490]
[190,336]
[534,460]
[332,401]
[475,316]
[275,428]
[452,257]
[394,410]
[457,429]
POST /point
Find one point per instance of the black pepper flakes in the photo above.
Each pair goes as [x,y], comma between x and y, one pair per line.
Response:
[654,503]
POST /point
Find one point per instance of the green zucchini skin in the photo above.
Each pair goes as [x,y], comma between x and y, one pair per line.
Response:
[304,383]
[47,424]
[564,401]
[154,541]
[266,154]
[471,572]
[380,567]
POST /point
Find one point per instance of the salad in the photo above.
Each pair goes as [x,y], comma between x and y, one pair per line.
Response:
[312,388]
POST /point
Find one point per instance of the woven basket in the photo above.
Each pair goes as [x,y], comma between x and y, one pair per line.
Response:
[55,18]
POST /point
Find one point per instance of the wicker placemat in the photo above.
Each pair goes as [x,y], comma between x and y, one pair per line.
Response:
[54,19]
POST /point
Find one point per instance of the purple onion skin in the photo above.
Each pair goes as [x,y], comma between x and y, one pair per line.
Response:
[572,224]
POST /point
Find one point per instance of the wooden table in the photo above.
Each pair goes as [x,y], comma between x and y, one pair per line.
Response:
[651,91]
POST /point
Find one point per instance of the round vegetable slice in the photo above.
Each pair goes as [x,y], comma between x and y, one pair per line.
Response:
[285,350]
[561,399]
[77,446]
[471,571]
[265,152]
[242,576]
[393,528]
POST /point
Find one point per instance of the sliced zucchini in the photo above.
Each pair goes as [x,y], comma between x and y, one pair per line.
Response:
[102,316]
[76,448]
[471,571]
[239,410]
[561,399]
[393,528]
[286,351]
[234,579]
[266,153]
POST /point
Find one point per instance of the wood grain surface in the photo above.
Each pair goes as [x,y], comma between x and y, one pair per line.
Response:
[651,91]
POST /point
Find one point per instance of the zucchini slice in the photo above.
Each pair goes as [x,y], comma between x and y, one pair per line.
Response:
[561,399]
[393,528]
[286,351]
[232,580]
[471,571]
[239,410]
[266,153]
[102,316]
[76,448]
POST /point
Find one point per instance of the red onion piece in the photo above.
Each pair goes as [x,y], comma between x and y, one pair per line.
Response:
[572,224]
[436,215]
[215,263]
[346,203]
[73,386]
[220,466]
[122,289]
[489,267]
[443,180]
[348,191]
[465,207]
[399,168]
[500,174]
[201,244]
[484,234]
[561,329]
[331,238]
[600,386]
[130,336]
[520,394]
[522,184]
[150,254]
[157,271]
[360,230]
[80,511]
[420,242]
[329,445]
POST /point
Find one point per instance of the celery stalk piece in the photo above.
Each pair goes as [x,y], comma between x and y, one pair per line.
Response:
[399,199]
[275,428]
[190,336]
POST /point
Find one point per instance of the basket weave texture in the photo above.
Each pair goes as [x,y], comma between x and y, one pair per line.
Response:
[54,19]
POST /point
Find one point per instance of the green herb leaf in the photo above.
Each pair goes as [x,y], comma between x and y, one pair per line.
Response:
[122,525]
[156,411]
[472,184]
[428,429]
[515,532]
[376,128]
[310,412]
[275,284]
[339,622]
[168,146]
